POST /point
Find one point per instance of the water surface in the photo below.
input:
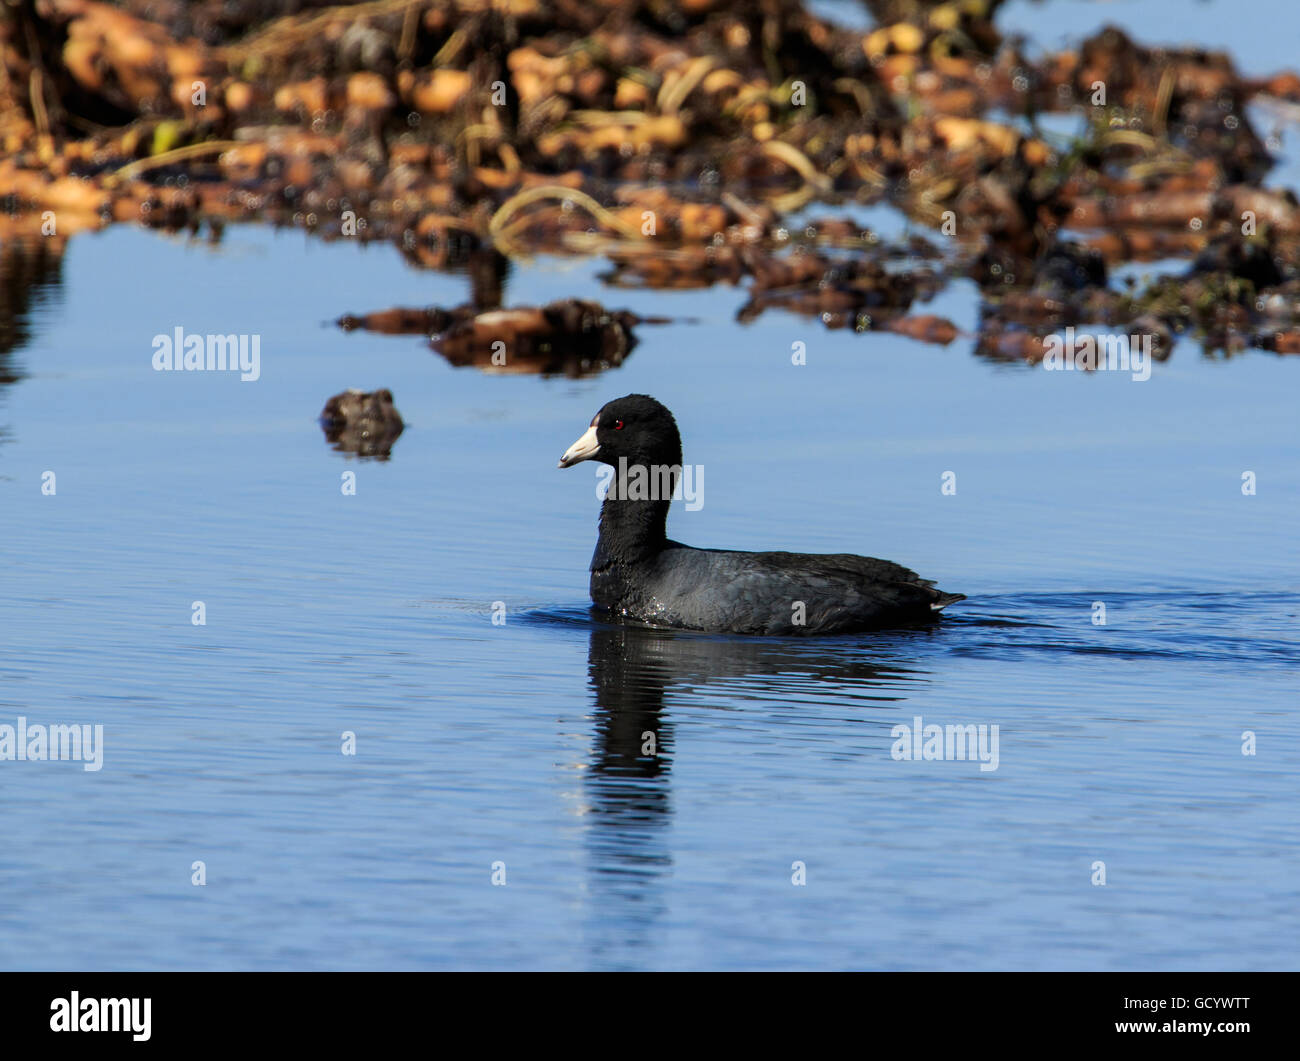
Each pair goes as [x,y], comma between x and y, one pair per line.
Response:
[522,743]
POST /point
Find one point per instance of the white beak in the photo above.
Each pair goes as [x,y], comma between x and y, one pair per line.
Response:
[584,449]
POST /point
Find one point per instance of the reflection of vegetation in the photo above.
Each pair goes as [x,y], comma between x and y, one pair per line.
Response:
[1216,307]
[27,270]
[678,141]
[571,337]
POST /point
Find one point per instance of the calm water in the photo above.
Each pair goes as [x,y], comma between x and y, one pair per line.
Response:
[521,743]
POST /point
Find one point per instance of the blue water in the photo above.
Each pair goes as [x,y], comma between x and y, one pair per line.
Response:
[518,749]
[521,743]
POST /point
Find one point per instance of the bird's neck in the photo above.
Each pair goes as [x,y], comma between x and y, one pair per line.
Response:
[634,515]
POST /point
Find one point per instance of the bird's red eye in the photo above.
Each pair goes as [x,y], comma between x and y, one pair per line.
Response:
[618,425]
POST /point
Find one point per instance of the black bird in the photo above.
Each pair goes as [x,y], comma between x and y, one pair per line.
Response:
[638,574]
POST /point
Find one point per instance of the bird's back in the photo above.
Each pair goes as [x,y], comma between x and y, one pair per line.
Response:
[769,593]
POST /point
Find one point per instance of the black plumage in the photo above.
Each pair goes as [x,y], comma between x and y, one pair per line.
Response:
[639,574]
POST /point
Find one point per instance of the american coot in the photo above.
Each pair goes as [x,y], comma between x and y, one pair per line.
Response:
[638,574]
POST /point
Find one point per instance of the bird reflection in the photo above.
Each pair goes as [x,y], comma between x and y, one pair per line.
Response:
[634,673]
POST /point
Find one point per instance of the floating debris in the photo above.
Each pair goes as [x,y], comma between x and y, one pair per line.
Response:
[674,139]
[366,424]
[570,337]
